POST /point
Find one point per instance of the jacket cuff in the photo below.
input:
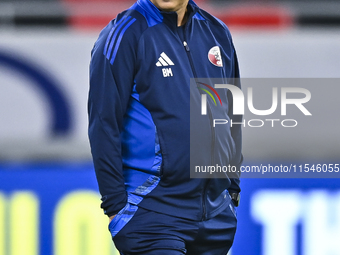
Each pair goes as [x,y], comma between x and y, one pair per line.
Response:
[113,203]
[234,186]
[235,182]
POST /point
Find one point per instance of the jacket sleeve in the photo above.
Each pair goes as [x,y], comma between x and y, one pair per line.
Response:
[236,131]
[111,80]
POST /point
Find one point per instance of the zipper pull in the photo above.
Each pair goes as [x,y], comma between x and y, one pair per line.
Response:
[186,46]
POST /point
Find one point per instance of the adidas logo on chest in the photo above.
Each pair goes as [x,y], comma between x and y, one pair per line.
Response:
[164,61]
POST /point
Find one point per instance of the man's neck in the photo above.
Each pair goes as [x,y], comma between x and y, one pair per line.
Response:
[181,10]
[182,16]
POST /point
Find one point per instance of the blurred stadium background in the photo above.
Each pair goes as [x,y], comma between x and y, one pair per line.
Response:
[48,193]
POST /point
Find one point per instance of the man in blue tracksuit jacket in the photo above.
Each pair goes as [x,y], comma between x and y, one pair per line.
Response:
[141,107]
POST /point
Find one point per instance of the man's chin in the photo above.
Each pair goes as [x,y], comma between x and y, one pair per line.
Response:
[167,5]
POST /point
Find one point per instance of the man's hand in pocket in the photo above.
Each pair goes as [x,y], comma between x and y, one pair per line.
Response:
[111,217]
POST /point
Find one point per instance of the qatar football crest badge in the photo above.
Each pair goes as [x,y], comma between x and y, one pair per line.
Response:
[215,57]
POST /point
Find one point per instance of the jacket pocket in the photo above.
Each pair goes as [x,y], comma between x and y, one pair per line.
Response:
[122,218]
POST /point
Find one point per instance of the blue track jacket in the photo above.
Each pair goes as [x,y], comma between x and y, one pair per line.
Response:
[139,112]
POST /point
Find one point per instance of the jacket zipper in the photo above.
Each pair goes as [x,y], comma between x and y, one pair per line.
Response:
[187,49]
